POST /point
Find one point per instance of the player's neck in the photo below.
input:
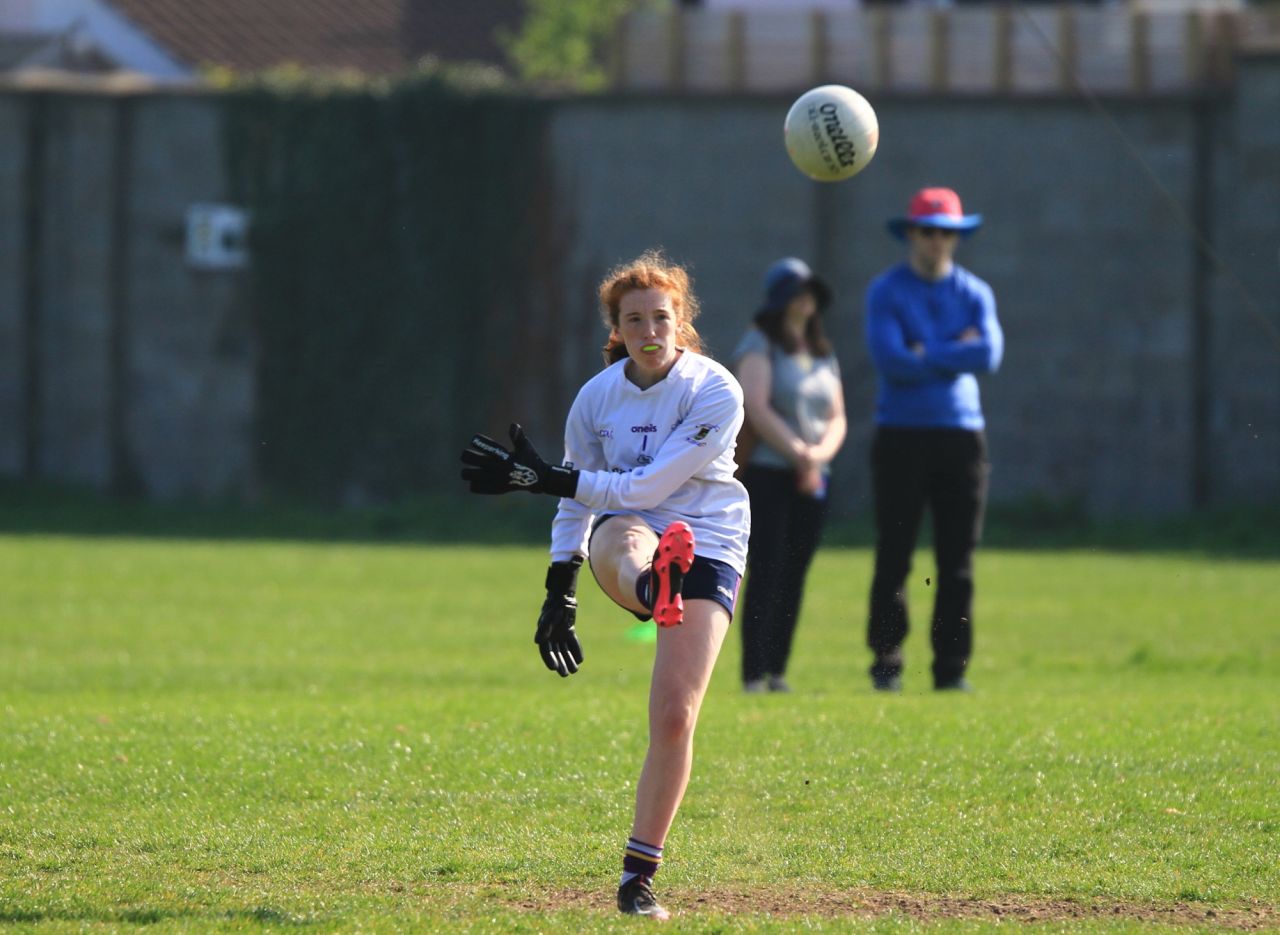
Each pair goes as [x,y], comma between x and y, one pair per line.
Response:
[645,378]
[931,270]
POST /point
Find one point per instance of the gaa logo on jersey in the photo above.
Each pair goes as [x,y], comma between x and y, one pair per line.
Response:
[699,436]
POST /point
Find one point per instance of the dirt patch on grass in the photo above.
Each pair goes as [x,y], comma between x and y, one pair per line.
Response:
[778,901]
[1008,908]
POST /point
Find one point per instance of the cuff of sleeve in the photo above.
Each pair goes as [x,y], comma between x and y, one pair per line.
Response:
[561,482]
[585,493]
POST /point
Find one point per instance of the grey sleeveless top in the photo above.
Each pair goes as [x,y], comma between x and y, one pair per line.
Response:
[804,388]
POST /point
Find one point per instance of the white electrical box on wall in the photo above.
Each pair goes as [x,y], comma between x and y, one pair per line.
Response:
[217,237]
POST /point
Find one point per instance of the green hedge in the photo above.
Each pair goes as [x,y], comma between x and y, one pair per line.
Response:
[392,232]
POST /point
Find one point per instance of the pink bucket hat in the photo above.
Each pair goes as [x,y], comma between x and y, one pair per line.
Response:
[935,207]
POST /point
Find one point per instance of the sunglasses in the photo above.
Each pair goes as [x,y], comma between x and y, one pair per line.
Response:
[935,232]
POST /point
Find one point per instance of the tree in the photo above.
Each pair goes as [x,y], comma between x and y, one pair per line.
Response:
[565,42]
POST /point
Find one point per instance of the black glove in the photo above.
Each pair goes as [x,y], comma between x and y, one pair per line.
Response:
[491,468]
[556,640]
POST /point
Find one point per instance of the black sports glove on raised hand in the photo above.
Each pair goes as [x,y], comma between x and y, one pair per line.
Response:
[492,469]
[556,640]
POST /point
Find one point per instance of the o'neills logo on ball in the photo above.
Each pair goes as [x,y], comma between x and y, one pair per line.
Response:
[830,133]
[835,132]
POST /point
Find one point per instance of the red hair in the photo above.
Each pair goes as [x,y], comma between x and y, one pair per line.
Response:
[650,270]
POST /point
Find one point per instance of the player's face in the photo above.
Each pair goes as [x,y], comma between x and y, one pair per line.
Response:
[933,247]
[648,324]
[802,307]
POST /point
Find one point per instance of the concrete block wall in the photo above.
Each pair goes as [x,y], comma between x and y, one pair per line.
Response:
[1244,417]
[1086,246]
[13,385]
[140,370]
[73,342]
[1082,244]
[191,348]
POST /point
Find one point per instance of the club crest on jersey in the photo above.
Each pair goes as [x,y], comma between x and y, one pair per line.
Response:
[699,437]
[523,476]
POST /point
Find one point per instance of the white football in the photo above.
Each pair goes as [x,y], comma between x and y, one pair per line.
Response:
[831,133]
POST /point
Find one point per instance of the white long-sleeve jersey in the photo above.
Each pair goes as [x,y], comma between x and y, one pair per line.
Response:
[664,453]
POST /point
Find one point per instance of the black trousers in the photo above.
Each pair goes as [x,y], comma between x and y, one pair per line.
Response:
[944,470]
[786,527]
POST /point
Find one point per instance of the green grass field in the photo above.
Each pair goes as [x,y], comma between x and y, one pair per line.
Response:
[274,735]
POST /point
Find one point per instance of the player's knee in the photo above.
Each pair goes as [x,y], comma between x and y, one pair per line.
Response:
[638,540]
[888,580]
[961,578]
[672,721]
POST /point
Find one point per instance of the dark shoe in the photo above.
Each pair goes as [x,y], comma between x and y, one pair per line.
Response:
[957,684]
[671,562]
[635,898]
[755,686]
[886,683]
[778,684]
[886,672]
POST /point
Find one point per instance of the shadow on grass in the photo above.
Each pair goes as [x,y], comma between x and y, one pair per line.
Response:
[145,915]
[46,509]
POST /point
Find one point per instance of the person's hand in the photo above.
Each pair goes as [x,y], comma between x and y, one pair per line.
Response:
[917,348]
[557,642]
[492,469]
[809,481]
[969,334]
[802,457]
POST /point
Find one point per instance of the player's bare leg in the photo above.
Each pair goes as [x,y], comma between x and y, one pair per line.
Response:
[622,553]
[621,550]
[682,666]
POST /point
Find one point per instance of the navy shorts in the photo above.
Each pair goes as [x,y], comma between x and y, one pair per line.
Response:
[708,579]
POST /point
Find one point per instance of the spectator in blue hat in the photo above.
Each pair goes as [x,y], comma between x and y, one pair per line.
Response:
[795,425]
[931,328]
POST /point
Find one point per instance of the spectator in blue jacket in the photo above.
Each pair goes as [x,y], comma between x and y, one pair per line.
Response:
[931,326]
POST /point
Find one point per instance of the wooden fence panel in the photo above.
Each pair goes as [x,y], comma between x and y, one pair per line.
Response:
[707,51]
[974,31]
[1105,43]
[779,51]
[643,57]
[909,47]
[1036,36]
[851,51]
[1003,48]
